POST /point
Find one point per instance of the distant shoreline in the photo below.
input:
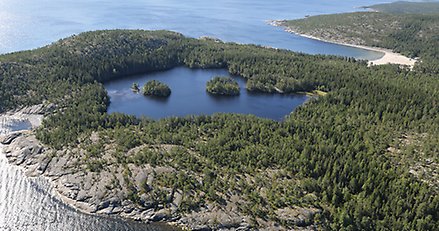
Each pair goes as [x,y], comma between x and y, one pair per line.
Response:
[389,57]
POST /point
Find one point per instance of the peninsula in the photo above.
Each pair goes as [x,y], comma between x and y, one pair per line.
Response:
[355,158]
[402,31]
[388,57]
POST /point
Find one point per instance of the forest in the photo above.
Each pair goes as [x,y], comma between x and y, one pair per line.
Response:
[156,88]
[222,86]
[404,7]
[414,35]
[350,155]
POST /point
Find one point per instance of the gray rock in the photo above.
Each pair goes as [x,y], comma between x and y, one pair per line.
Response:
[9,138]
[173,219]
[103,205]
[201,228]
[105,192]
[22,156]
[39,109]
[244,226]
[178,198]
[148,215]
[43,165]
[127,203]
[159,215]
[83,196]
[128,208]
[72,194]
[117,210]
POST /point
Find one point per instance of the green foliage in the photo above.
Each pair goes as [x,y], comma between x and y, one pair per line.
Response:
[414,35]
[330,154]
[156,88]
[222,86]
[403,7]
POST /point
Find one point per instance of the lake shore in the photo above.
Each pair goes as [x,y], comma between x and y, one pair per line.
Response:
[389,57]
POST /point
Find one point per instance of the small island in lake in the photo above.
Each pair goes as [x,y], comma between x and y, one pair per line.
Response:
[156,88]
[222,86]
[135,87]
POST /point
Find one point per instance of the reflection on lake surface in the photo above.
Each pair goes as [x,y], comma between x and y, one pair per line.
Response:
[189,97]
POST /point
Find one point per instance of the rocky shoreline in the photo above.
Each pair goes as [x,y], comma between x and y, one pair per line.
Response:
[107,192]
[90,194]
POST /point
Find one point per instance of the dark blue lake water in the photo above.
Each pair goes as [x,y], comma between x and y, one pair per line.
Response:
[189,97]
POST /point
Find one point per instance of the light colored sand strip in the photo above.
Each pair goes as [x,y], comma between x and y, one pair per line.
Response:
[388,55]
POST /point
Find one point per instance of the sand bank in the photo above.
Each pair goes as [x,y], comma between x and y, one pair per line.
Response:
[388,55]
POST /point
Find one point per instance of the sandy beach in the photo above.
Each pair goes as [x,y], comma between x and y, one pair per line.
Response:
[389,57]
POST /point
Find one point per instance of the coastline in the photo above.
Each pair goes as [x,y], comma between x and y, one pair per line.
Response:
[65,188]
[389,57]
[22,149]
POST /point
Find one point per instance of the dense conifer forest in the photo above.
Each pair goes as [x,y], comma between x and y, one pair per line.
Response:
[222,86]
[349,155]
[414,35]
[156,88]
[405,7]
